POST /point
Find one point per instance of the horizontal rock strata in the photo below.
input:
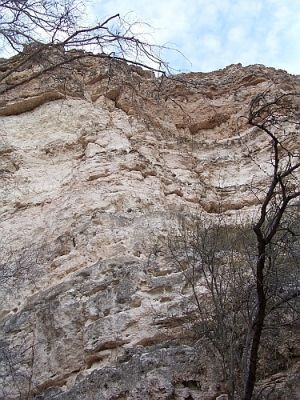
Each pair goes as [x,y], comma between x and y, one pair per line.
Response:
[96,162]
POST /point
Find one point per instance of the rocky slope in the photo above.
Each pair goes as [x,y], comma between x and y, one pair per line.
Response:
[96,161]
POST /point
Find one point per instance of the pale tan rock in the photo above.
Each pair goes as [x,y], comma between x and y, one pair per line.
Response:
[29,103]
[89,185]
[92,149]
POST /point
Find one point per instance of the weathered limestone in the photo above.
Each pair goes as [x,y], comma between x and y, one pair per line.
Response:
[91,179]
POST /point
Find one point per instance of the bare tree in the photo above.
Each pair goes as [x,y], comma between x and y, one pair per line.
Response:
[245,279]
[215,260]
[277,116]
[31,27]
[24,22]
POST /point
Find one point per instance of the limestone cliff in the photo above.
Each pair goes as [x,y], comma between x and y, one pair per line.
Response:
[96,158]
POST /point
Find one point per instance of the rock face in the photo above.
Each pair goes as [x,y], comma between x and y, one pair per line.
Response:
[96,161]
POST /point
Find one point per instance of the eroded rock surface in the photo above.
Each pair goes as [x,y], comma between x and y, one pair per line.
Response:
[95,163]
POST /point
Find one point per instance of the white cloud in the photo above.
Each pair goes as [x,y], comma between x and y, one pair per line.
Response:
[212,43]
[236,35]
[213,33]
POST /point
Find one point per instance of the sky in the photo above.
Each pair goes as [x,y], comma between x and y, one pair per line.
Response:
[211,34]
